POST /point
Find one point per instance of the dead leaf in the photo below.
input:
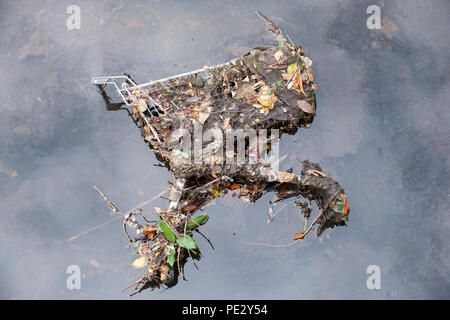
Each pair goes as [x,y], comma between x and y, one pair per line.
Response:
[298,85]
[141,105]
[305,106]
[226,124]
[244,191]
[314,86]
[245,89]
[299,236]
[189,208]
[278,55]
[316,173]
[345,206]
[310,75]
[149,231]
[204,115]
[287,76]
[234,186]
[144,249]
[285,176]
[213,160]
[140,262]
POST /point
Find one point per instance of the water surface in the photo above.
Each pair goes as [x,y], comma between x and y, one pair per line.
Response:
[381,130]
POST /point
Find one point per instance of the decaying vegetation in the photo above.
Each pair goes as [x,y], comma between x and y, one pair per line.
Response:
[269,88]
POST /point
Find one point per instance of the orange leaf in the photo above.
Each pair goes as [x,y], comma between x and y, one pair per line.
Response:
[310,75]
[234,186]
[149,231]
[345,206]
[299,236]
[298,86]
[213,160]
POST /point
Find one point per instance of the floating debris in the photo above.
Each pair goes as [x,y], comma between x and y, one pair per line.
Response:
[216,112]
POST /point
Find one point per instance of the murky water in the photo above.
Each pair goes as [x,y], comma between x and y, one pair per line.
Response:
[381,131]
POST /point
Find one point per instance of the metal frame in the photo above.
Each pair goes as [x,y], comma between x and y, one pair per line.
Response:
[125,89]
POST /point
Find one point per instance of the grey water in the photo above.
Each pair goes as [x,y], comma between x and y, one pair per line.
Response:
[381,130]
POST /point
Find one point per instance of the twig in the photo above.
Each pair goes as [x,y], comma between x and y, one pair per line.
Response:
[94,228]
[115,208]
[136,283]
[148,201]
[313,223]
[271,245]
[110,204]
[178,262]
[272,27]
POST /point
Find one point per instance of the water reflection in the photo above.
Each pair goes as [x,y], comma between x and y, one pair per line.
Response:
[381,131]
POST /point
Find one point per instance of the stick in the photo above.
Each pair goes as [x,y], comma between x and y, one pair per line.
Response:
[271,26]
[136,283]
[110,204]
[313,223]
[178,262]
[94,228]
[115,208]
[271,245]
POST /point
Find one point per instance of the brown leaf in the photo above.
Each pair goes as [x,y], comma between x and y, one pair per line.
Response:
[278,55]
[298,82]
[203,115]
[245,91]
[287,76]
[226,124]
[149,231]
[316,173]
[144,249]
[213,160]
[310,75]
[285,176]
[189,208]
[305,106]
